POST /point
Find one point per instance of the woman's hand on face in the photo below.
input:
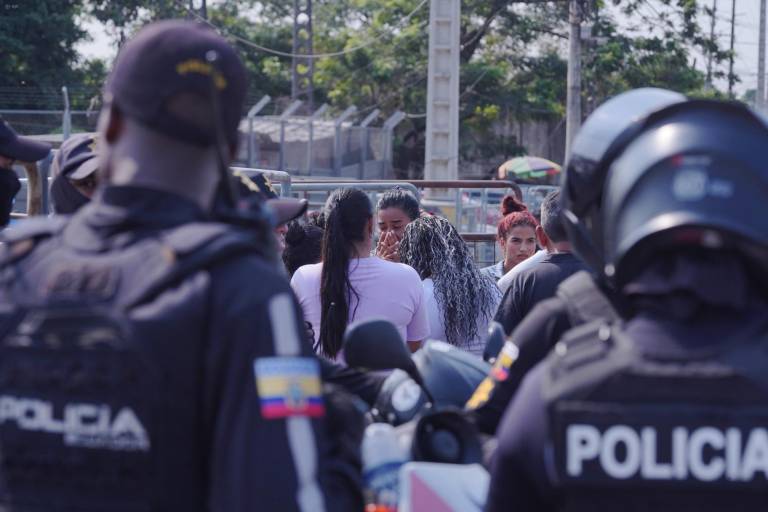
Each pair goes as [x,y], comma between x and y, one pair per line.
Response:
[388,247]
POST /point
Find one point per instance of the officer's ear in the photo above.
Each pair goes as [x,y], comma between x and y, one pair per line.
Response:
[543,239]
[114,124]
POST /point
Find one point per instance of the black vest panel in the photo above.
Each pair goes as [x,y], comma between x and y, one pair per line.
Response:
[634,432]
[80,397]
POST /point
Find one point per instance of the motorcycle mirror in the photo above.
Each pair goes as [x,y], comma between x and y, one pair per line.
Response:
[376,345]
[493,342]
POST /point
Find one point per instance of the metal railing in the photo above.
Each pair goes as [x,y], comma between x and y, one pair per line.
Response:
[482,242]
[317,144]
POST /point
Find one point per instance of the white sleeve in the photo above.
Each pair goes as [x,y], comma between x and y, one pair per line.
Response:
[506,279]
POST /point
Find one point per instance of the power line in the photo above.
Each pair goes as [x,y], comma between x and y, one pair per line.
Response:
[279,53]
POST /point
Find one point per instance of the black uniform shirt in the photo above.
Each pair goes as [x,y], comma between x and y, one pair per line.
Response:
[533,286]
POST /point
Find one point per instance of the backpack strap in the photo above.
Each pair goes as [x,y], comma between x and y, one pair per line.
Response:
[183,251]
[584,301]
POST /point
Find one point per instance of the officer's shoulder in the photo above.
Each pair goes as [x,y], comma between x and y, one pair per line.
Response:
[249,275]
[20,239]
[584,355]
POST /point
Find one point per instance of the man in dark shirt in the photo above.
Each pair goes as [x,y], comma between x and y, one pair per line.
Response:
[540,283]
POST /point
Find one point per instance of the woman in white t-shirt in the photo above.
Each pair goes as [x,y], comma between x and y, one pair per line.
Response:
[461,301]
[351,285]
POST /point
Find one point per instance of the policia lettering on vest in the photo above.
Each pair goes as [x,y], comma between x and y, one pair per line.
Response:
[703,453]
[79,424]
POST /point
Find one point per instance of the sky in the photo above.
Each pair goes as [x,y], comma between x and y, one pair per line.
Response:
[746,39]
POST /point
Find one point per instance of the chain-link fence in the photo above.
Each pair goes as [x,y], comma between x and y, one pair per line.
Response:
[308,147]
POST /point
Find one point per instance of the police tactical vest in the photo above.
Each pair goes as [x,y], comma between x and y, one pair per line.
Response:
[633,431]
[78,398]
[584,301]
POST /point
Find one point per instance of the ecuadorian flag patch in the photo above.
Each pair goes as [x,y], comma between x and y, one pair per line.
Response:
[289,386]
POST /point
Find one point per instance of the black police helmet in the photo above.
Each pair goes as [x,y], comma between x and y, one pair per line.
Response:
[602,137]
[694,177]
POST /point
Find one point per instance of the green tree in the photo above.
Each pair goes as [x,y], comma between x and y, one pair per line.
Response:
[37,41]
[512,65]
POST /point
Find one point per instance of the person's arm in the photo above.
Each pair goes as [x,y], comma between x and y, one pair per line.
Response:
[365,385]
[533,339]
[262,384]
[509,312]
[418,328]
[518,476]
[414,346]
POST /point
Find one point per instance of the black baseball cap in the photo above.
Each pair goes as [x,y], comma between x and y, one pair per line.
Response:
[170,60]
[20,148]
[285,209]
[76,158]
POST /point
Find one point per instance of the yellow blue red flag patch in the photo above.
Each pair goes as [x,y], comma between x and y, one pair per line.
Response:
[289,386]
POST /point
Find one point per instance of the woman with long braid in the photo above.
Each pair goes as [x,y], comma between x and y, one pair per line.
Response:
[461,301]
[350,284]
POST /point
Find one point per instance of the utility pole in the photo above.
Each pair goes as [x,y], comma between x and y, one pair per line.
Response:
[731,77]
[302,68]
[760,96]
[573,99]
[202,11]
[441,156]
[708,83]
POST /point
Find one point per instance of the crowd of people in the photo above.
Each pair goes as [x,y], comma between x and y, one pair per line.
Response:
[189,323]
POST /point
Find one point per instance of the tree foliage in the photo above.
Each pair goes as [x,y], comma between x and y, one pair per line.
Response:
[512,55]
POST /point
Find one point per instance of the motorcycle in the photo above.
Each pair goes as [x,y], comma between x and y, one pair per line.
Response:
[423,398]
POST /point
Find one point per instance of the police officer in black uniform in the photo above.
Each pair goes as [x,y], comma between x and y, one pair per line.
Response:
[13,148]
[584,296]
[150,358]
[666,410]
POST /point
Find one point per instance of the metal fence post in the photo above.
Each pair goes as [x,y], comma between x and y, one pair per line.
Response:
[251,115]
[44,170]
[364,140]
[311,134]
[66,120]
[337,138]
[389,127]
[283,118]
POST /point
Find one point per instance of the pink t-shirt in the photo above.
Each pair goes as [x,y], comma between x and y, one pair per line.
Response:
[389,291]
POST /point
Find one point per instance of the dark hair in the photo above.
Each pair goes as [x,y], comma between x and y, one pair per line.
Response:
[346,213]
[515,213]
[316,218]
[511,204]
[433,247]
[551,217]
[402,199]
[303,245]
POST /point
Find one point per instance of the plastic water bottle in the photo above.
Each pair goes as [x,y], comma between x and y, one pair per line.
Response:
[382,458]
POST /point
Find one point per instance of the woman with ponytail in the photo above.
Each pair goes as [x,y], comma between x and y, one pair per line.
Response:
[516,234]
[351,285]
